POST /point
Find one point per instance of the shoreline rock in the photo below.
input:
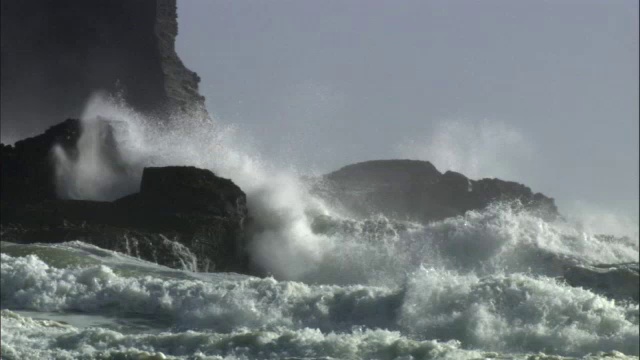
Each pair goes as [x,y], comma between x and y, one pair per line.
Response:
[145,224]
[177,208]
[415,190]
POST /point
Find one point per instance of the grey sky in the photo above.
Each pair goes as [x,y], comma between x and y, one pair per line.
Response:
[542,92]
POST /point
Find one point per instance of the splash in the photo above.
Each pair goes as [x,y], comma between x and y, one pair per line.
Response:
[289,239]
[489,280]
[108,161]
[111,156]
[476,149]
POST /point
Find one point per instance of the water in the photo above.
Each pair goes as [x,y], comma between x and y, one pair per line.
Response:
[484,285]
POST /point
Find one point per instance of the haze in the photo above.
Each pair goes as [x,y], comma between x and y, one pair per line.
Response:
[540,92]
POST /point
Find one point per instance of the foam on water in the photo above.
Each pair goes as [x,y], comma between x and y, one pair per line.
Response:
[497,239]
[374,288]
[64,341]
[285,243]
[505,313]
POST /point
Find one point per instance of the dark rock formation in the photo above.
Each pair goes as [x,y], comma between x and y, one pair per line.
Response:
[417,191]
[187,189]
[29,166]
[618,281]
[178,211]
[55,54]
[28,171]
[161,223]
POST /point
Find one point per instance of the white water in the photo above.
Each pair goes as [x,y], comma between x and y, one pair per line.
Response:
[481,285]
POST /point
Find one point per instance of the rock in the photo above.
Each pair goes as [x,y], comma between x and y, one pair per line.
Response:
[618,281]
[28,171]
[55,54]
[29,167]
[178,209]
[151,224]
[189,189]
[385,173]
[200,210]
[416,191]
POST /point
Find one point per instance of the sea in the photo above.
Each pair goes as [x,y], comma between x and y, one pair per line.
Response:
[484,285]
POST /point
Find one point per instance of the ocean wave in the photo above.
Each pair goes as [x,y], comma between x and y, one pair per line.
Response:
[506,313]
[29,338]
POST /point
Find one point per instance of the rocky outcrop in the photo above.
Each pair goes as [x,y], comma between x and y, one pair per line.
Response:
[417,191]
[618,281]
[28,169]
[178,210]
[55,54]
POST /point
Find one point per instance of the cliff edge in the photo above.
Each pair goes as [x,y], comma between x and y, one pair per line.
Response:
[56,54]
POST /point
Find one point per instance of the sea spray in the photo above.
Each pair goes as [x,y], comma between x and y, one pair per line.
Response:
[488,280]
[284,212]
[283,245]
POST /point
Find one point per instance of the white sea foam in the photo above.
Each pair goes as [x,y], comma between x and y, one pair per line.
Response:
[28,338]
[284,243]
[506,313]
[372,288]
[279,204]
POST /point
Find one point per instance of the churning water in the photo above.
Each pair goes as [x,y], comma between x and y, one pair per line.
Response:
[484,285]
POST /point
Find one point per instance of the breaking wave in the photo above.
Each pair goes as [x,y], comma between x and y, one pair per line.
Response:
[490,283]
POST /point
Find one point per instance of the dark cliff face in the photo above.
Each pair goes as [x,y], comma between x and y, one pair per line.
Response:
[55,54]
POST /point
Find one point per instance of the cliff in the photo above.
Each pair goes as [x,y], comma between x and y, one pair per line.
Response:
[55,54]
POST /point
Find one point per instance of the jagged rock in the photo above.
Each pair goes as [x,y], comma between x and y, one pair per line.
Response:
[55,54]
[417,191]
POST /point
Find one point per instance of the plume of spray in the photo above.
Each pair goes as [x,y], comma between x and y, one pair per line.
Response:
[106,163]
[489,148]
[284,241]
[116,143]
[474,148]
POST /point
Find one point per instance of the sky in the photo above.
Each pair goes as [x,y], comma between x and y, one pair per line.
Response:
[540,92]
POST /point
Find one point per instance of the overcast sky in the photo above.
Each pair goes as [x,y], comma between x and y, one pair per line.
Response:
[541,92]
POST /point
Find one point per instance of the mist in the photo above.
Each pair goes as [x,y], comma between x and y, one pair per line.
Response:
[543,93]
